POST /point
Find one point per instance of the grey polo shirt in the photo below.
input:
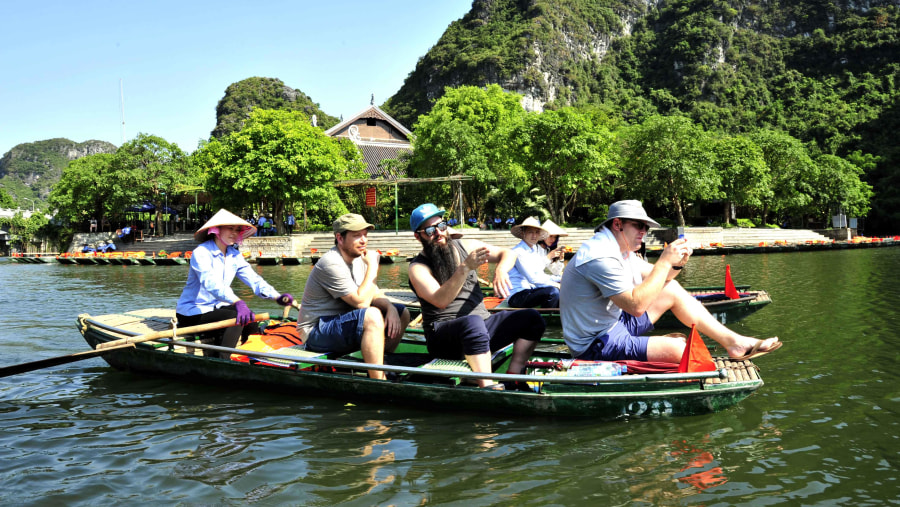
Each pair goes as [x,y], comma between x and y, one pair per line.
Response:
[597,272]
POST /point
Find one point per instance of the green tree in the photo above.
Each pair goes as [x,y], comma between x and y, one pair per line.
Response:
[89,188]
[564,153]
[150,167]
[792,173]
[743,172]
[840,188]
[668,159]
[468,132]
[278,158]
[22,230]
[6,200]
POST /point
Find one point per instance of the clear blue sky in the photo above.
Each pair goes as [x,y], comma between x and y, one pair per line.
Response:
[61,61]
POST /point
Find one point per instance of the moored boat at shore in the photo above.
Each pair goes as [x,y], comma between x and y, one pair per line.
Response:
[418,379]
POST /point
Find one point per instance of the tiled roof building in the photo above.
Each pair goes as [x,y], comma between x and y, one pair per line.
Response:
[378,137]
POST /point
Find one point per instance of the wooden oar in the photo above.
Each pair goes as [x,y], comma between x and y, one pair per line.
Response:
[129,342]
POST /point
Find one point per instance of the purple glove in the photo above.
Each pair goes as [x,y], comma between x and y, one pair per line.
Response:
[244,315]
[285,299]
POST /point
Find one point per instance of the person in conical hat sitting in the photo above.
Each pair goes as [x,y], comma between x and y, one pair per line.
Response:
[531,286]
[552,248]
[207,295]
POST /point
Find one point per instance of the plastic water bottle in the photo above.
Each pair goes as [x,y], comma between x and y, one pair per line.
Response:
[597,369]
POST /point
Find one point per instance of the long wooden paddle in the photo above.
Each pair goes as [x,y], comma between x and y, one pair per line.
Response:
[129,342]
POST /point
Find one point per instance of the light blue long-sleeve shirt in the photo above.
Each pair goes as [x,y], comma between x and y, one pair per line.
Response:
[528,272]
[209,281]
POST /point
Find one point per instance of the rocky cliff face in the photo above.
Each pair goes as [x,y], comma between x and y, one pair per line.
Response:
[31,169]
[266,93]
[531,47]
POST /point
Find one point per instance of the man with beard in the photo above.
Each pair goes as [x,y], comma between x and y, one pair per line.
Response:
[342,309]
[457,324]
[610,297]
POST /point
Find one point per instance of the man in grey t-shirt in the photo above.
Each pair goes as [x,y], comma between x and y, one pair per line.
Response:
[610,298]
[342,309]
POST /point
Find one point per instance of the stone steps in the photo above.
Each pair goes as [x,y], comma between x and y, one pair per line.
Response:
[738,236]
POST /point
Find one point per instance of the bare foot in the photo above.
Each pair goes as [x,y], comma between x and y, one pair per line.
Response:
[753,348]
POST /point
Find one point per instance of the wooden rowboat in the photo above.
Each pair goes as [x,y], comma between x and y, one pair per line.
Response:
[726,311]
[419,380]
[266,261]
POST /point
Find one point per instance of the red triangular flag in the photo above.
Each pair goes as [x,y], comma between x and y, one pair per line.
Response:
[696,356]
[730,291]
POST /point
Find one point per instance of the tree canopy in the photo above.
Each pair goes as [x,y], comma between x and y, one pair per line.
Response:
[468,132]
[566,155]
[667,159]
[278,158]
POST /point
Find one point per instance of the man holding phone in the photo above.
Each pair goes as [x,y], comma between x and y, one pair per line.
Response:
[610,297]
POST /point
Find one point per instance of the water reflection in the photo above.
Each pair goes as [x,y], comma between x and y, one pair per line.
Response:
[702,470]
[821,431]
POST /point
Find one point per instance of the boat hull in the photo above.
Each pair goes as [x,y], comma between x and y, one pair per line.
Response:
[603,401]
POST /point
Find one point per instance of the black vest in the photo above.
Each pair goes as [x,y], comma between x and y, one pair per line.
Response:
[469,300]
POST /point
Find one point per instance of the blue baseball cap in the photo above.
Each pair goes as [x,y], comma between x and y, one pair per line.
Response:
[423,213]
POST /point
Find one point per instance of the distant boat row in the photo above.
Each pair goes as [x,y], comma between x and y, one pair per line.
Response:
[394,256]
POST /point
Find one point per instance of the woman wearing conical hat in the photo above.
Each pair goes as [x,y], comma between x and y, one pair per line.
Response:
[207,295]
[532,287]
[552,249]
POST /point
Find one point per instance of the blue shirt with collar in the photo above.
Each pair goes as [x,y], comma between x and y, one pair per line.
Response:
[209,280]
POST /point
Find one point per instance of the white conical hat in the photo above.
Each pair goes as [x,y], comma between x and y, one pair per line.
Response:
[518,230]
[225,217]
[553,229]
[453,233]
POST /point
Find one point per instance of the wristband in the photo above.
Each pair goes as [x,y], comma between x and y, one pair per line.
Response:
[677,268]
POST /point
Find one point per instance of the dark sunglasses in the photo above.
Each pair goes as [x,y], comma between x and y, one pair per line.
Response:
[641,226]
[429,231]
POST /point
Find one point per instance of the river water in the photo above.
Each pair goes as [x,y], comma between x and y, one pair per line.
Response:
[822,431]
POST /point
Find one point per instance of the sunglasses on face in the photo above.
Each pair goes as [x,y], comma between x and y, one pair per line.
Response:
[641,226]
[430,230]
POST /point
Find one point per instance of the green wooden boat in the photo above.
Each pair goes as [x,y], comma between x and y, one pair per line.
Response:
[146,261]
[420,381]
[170,261]
[726,311]
[266,261]
[293,261]
[65,260]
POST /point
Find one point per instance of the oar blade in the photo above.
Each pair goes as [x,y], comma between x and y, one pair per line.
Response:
[16,369]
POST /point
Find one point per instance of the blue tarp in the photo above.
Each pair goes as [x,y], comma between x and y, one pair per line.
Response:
[148,207]
[143,208]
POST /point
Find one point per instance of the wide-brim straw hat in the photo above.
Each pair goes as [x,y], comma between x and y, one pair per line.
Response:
[225,217]
[519,230]
[453,233]
[630,209]
[553,229]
